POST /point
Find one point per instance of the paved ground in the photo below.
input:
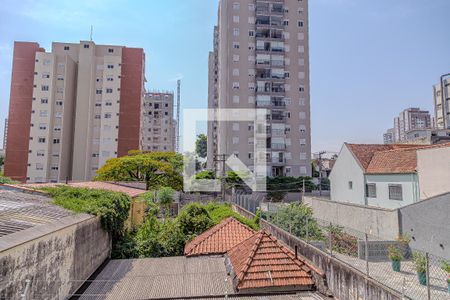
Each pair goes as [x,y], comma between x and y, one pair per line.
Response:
[406,280]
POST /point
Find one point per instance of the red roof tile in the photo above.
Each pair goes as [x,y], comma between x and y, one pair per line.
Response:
[219,239]
[388,159]
[263,262]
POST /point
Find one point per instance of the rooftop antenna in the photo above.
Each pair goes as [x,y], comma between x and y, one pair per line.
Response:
[178,115]
[92,29]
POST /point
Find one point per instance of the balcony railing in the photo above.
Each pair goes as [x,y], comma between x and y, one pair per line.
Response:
[277,146]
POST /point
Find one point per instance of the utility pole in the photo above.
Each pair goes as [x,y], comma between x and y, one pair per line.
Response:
[320,171]
[222,158]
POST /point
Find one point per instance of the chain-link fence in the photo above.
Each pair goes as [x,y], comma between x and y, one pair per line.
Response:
[411,272]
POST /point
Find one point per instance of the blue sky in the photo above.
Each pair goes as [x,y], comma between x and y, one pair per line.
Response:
[369,59]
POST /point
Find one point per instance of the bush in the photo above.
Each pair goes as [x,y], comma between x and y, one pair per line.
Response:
[6,180]
[194,219]
[298,219]
[219,212]
[420,262]
[112,208]
[395,254]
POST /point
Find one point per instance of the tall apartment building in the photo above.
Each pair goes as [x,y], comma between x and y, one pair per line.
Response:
[441,96]
[72,109]
[410,119]
[213,100]
[388,137]
[159,126]
[263,62]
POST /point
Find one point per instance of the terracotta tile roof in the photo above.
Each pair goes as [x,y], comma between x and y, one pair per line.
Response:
[132,192]
[389,159]
[393,162]
[263,262]
[219,239]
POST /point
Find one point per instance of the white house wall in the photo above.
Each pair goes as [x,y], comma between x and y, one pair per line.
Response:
[347,169]
[433,166]
[409,184]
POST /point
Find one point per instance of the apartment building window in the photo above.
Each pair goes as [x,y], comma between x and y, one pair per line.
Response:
[40,153]
[106,153]
[303,170]
[302,142]
[302,129]
[236,45]
[395,192]
[236,19]
[301,88]
[58,103]
[235,126]
[57,128]
[350,185]
[43,113]
[46,75]
[300,23]
[371,190]
[236,85]
[98,104]
[44,100]
[41,140]
[251,7]
[108,104]
[86,46]
[56,141]
[301,36]
[251,20]
[110,78]
[251,33]
[42,126]
[251,141]
[110,50]
[302,156]
[250,155]
[60,77]
[58,114]
[98,92]
[110,66]
[66,48]
[109,91]
[251,46]
[55,167]
[286,23]
[47,62]
[235,140]
[235,72]
[44,88]
[236,6]
[39,167]
[108,116]
[236,99]
[97,117]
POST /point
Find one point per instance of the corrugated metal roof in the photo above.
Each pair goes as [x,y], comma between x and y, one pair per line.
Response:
[168,278]
[19,211]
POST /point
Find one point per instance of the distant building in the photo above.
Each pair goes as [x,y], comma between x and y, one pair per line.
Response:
[427,136]
[5,134]
[409,119]
[441,96]
[390,176]
[72,109]
[159,126]
[213,100]
[389,136]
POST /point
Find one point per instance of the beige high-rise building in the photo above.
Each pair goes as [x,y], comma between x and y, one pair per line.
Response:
[441,95]
[410,119]
[263,62]
[159,126]
[72,109]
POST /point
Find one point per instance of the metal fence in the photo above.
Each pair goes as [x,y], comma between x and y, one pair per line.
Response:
[413,273]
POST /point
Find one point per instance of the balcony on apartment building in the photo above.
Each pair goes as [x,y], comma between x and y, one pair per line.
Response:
[271,88]
[263,21]
[265,8]
[269,47]
[267,101]
[269,34]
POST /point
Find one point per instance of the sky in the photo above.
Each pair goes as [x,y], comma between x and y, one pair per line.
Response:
[369,59]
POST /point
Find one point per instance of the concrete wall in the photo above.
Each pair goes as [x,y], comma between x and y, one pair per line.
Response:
[410,190]
[343,281]
[345,170]
[57,257]
[433,166]
[377,221]
[427,223]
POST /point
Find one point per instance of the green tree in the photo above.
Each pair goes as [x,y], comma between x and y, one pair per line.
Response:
[208,174]
[156,169]
[194,219]
[298,219]
[201,145]
[165,197]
